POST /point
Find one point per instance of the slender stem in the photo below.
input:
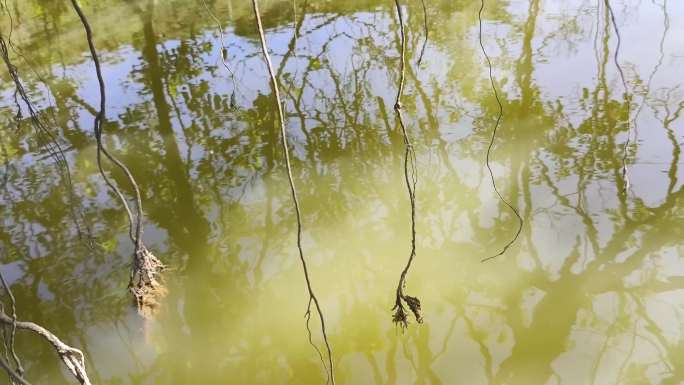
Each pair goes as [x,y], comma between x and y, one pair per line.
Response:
[491,143]
[17,361]
[293,189]
[136,235]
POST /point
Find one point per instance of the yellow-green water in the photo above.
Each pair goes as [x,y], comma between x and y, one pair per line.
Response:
[591,293]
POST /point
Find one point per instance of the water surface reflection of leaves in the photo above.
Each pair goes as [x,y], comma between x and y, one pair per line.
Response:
[589,295]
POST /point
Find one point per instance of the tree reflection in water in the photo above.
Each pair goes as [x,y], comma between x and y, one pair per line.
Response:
[589,295]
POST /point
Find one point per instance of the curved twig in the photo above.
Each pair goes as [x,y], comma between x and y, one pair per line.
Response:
[400,316]
[293,190]
[224,53]
[491,143]
[220,31]
[72,357]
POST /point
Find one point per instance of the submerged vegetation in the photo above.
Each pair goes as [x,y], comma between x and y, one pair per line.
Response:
[259,137]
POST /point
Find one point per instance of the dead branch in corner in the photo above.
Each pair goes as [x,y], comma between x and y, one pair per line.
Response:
[73,358]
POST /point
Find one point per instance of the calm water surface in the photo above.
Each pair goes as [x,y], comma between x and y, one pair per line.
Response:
[591,293]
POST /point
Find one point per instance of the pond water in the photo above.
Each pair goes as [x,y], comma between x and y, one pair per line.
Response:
[592,292]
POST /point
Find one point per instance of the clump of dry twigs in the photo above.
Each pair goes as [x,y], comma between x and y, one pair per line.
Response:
[146,282]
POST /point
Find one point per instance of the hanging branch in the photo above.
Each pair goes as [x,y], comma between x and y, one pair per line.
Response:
[72,357]
[426,31]
[145,277]
[628,98]
[400,315]
[491,143]
[330,372]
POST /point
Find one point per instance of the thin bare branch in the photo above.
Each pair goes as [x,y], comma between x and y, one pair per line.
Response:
[274,85]
[400,316]
[491,142]
[72,357]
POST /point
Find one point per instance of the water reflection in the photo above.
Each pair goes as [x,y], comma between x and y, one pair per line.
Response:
[590,295]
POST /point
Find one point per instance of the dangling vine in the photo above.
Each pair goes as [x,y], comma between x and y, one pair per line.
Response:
[145,277]
[491,142]
[293,190]
[400,316]
[628,99]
